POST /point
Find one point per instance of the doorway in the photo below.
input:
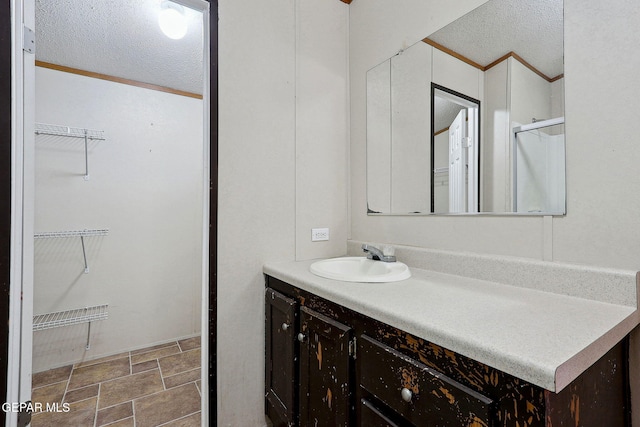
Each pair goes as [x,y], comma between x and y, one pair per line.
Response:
[455,148]
[89,251]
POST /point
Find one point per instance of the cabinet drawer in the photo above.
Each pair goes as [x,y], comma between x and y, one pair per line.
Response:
[420,394]
[372,416]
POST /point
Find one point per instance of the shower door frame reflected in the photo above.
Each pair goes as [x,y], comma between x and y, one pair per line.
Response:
[536,125]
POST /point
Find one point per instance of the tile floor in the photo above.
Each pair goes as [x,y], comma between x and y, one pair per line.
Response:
[155,386]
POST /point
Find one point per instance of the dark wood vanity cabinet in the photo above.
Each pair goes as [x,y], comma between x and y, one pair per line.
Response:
[329,366]
[281,358]
[421,395]
[308,366]
[325,388]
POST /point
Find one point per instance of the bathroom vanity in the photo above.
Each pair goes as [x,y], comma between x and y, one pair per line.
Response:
[440,350]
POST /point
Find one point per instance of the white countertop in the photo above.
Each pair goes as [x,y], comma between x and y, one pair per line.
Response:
[545,338]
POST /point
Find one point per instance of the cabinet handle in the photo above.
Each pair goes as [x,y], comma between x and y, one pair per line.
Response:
[285,326]
[301,337]
[406,395]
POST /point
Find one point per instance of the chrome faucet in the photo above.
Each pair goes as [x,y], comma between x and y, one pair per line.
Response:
[376,254]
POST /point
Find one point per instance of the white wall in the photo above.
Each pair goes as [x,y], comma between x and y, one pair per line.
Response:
[530,94]
[601,64]
[410,129]
[282,141]
[322,126]
[441,180]
[557,98]
[457,75]
[495,157]
[256,182]
[379,137]
[145,186]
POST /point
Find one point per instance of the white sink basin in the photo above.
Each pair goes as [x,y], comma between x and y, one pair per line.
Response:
[360,269]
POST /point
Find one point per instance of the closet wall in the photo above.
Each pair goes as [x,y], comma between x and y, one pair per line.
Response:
[146,188]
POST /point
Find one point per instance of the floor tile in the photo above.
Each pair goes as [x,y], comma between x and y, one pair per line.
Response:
[182,378]
[181,362]
[83,376]
[49,393]
[166,406]
[153,347]
[129,422]
[154,354]
[81,414]
[192,420]
[102,359]
[130,387]
[115,413]
[51,376]
[144,366]
[189,343]
[155,386]
[82,393]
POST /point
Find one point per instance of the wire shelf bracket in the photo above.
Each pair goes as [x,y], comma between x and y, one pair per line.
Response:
[71,132]
[79,233]
[77,316]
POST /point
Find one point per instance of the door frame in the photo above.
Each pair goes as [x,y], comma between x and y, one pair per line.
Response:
[7,171]
[11,142]
[475,156]
[213,212]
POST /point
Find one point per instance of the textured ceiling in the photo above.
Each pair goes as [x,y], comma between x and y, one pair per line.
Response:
[531,28]
[119,38]
[445,112]
[122,38]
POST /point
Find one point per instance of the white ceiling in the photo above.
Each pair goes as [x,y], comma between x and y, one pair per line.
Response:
[531,28]
[119,38]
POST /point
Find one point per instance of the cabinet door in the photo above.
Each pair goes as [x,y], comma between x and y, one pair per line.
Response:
[280,363]
[325,370]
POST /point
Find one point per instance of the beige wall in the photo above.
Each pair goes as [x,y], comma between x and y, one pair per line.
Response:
[283,141]
[601,226]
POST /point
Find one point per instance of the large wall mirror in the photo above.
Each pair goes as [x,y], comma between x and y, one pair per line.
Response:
[471,118]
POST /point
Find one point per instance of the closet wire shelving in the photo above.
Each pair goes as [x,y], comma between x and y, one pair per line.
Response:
[72,132]
[86,314]
[75,233]
[76,316]
[79,315]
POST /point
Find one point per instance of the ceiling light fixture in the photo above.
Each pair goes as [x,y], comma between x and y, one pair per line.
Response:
[172,20]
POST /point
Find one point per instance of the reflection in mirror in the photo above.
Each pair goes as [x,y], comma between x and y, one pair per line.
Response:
[539,161]
[455,143]
[506,55]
